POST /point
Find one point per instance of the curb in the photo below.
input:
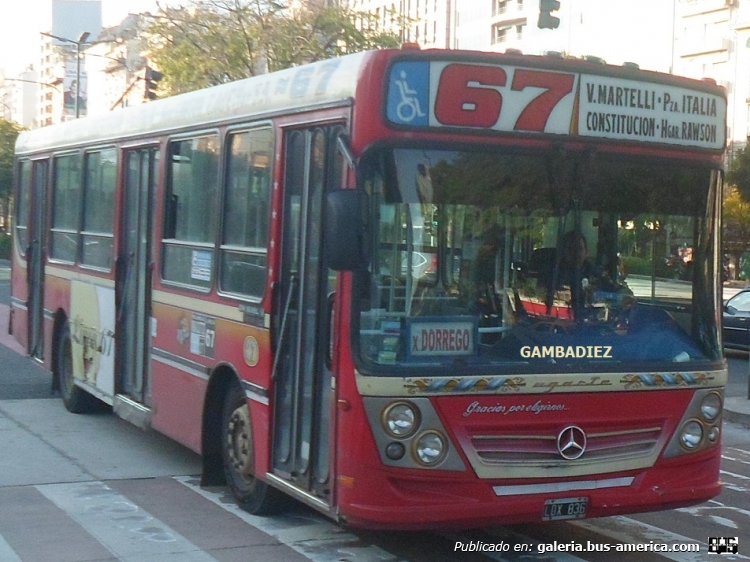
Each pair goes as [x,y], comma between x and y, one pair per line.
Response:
[737,410]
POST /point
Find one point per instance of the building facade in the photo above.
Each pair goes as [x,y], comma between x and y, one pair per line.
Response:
[62,70]
[712,40]
[498,25]
[431,23]
[18,97]
[697,38]
[117,68]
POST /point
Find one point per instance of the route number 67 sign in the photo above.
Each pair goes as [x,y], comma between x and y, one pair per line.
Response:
[503,98]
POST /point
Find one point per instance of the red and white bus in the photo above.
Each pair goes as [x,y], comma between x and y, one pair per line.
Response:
[407,288]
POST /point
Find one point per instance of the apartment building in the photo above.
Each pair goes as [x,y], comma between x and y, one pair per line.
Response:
[431,23]
[712,40]
[498,25]
[56,63]
[116,67]
[18,97]
[62,70]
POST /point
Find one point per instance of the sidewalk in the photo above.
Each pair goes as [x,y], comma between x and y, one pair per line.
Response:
[737,410]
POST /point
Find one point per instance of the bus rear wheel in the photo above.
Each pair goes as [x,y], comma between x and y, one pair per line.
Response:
[75,399]
[238,456]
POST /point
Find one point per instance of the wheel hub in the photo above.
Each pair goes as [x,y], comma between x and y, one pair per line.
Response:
[239,441]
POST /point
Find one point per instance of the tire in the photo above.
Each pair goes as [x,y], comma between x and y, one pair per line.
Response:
[238,457]
[76,400]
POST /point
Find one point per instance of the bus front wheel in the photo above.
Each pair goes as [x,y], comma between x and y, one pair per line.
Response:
[76,400]
[238,456]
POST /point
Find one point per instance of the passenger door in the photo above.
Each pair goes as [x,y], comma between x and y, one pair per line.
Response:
[303,319]
[36,256]
[134,272]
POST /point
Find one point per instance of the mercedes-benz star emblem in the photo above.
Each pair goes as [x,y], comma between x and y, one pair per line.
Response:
[571,442]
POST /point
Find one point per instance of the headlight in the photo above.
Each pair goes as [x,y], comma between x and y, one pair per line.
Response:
[713,434]
[711,406]
[430,448]
[691,435]
[400,419]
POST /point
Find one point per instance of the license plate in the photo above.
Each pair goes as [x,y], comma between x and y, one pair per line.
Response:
[565,508]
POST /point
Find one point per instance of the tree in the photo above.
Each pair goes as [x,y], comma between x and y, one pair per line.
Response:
[736,207]
[8,134]
[739,173]
[209,42]
[736,224]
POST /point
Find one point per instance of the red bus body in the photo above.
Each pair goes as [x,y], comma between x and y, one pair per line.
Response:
[504,430]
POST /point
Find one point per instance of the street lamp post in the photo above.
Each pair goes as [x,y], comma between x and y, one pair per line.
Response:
[31,82]
[82,40]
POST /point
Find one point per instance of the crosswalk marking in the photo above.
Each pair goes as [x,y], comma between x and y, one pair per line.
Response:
[127,531]
[319,541]
[112,516]
[736,455]
[7,554]
[630,531]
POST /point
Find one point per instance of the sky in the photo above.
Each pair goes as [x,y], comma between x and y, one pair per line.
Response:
[22,20]
[633,30]
[637,31]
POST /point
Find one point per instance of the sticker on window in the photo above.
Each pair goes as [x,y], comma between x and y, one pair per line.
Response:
[200,267]
[442,336]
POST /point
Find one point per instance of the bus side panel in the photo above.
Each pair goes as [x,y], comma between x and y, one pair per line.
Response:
[20,323]
[247,349]
[178,387]
[19,291]
[177,404]
[356,451]
[56,300]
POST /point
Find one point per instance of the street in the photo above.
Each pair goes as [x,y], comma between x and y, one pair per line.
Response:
[453,264]
[95,488]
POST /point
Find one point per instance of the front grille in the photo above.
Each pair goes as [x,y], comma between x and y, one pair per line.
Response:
[509,448]
[532,452]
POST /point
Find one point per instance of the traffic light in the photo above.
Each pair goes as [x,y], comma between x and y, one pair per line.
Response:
[150,78]
[546,19]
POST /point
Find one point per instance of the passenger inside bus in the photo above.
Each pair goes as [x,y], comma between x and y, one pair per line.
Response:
[575,263]
[588,283]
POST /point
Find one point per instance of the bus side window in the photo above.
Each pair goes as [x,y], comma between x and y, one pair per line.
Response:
[170,216]
[66,207]
[22,206]
[188,255]
[247,208]
[97,235]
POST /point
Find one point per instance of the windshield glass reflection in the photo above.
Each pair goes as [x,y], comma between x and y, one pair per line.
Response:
[481,258]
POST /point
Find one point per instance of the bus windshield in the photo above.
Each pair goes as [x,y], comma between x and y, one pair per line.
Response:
[539,262]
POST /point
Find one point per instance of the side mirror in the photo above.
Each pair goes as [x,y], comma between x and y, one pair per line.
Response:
[345,230]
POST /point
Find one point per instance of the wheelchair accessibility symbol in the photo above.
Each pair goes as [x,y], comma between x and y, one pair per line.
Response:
[408,108]
[408,93]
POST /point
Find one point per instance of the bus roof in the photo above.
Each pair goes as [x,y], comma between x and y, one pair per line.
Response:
[576,98]
[326,82]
